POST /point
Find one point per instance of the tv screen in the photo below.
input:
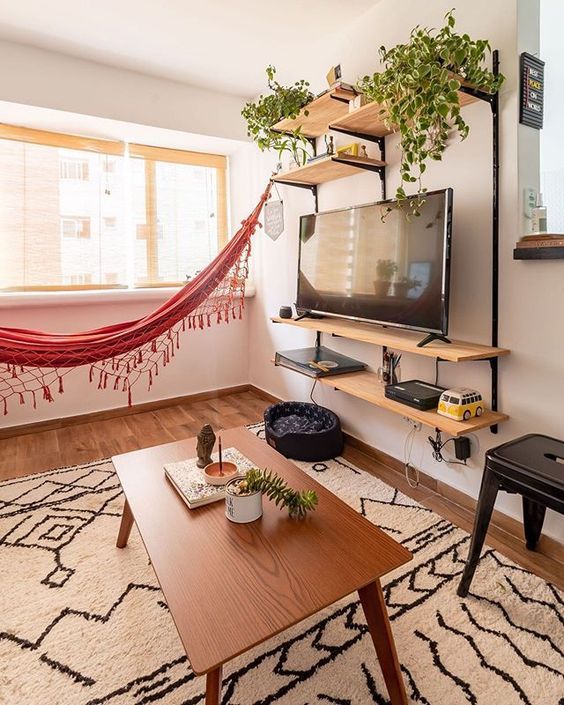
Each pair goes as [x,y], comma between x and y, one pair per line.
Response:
[390,270]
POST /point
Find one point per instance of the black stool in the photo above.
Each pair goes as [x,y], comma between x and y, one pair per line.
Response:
[532,466]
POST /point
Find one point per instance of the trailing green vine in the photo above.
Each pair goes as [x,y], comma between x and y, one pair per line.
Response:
[282,103]
[298,502]
[418,92]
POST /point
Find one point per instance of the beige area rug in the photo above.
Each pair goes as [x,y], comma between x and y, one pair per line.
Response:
[84,623]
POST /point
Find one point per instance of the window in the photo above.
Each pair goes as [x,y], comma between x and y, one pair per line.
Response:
[74,169]
[75,227]
[80,212]
[179,210]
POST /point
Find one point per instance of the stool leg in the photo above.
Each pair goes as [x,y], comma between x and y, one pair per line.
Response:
[533,519]
[486,501]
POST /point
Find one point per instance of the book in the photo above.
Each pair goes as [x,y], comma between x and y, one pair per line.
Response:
[317,362]
[549,242]
[542,236]
[188,479]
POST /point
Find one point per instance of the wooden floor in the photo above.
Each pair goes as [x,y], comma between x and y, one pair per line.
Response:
[71,445]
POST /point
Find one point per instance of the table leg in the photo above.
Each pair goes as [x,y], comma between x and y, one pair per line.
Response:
[486,501]
[374,606]
[213,686]
[125,526]
[533,519]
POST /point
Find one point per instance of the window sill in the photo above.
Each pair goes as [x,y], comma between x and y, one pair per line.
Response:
[78,298]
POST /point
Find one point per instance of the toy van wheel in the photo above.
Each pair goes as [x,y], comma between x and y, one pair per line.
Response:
[466,415]
[479,411]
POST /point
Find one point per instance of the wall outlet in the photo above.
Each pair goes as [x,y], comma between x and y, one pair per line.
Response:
[414,424]
[530,196]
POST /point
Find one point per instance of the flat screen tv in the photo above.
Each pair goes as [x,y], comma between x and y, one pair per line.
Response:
[392,271]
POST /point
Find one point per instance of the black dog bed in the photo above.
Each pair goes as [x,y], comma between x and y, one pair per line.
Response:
[303,431]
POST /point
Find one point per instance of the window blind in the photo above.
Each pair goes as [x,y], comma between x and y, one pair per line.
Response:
[82,213]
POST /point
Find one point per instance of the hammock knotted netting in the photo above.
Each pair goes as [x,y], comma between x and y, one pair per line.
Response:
[34,363]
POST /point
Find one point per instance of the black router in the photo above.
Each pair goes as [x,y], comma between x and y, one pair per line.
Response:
[415,393]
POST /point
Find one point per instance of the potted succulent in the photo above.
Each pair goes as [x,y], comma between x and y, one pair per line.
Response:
[385,270]
[284,102]
[418,92]
[243,496]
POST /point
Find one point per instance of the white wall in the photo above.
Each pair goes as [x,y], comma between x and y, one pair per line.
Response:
[530,294]
[201,363]
[51,80]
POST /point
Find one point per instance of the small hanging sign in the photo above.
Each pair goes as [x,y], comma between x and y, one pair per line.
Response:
[531,110]
[274,219]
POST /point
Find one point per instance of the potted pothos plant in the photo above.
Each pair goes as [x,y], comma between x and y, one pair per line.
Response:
[283,102]
[243,496]
[418,92]
[385,270]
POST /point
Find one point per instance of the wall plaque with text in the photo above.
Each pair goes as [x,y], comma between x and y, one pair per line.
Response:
[531,111]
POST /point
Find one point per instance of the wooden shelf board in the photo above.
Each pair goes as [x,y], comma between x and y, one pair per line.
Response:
[397,339]
[538,253]
[321,111]
[366,386]
[327,169]
[368,120]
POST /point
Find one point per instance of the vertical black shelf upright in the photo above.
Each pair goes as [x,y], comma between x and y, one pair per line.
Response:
[493,100]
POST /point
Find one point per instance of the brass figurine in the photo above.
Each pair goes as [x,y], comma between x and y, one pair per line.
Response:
[204,447]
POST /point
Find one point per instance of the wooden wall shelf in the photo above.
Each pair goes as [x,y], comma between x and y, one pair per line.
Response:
[398,339]
[328,169]
[329,106]
[538,253]
[369,121]
[367,386]
[366,120]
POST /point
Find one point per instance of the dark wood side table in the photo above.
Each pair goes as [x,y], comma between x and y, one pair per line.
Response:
[532,466]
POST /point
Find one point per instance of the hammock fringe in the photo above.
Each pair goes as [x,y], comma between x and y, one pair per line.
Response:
[32,361]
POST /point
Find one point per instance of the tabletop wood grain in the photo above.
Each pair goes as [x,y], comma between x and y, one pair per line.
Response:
[231,586]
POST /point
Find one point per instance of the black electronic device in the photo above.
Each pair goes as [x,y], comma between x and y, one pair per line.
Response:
[415,393]
[364,264]
[317,362]
[285,312]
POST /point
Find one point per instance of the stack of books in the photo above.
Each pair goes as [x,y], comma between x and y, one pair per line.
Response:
[541,240]
[188,480]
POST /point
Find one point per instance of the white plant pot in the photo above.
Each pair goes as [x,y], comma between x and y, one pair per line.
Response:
[242,509]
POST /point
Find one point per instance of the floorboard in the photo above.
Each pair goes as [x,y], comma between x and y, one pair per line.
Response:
[82,443]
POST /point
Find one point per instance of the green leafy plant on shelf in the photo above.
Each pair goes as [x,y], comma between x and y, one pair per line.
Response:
[284,102]
[385,269]
[418,92]
[298,502]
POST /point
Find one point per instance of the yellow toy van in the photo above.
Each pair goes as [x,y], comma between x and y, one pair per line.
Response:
[461,404]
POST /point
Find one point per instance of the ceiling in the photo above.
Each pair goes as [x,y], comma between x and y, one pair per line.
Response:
[223,45]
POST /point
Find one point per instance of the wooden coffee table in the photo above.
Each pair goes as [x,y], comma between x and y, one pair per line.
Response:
[284,570]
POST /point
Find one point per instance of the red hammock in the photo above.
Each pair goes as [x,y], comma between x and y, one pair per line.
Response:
[33,362]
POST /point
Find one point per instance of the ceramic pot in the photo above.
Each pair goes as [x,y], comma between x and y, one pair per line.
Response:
[213,476]
[242,509]
[381,288]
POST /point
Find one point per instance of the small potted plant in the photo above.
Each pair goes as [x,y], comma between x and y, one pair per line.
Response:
[385,270]
[243,496]
[284,102]
[404,285]
[418,94]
